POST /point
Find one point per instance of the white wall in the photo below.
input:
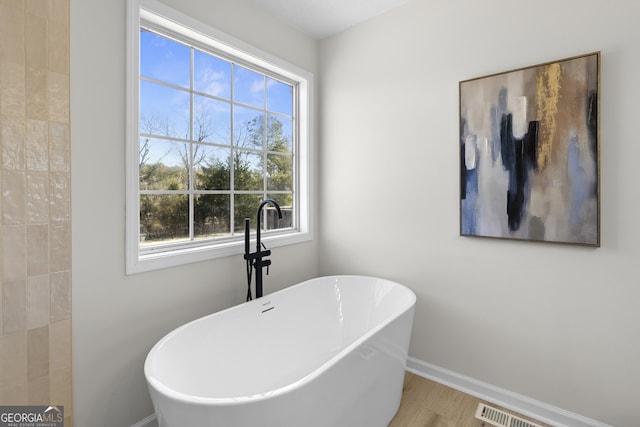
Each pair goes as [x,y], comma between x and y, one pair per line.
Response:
[552,322]
[117,318]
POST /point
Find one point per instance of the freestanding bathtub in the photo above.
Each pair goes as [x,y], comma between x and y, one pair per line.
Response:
[328,352]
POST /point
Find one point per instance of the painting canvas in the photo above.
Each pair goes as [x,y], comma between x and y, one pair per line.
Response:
[529,153]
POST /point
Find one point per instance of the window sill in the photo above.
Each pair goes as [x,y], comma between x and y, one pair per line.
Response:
[173,258]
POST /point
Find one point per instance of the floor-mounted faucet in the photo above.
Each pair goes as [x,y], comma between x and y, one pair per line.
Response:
[255,259]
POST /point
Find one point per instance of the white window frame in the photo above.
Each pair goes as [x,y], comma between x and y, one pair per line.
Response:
[160,15]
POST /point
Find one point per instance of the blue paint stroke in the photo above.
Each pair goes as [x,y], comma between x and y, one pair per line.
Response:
[579,185]
[468,204]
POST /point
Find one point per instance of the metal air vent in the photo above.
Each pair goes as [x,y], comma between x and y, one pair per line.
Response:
[501,418]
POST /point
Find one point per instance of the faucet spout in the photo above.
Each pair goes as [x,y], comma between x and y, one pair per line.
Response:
[259,217]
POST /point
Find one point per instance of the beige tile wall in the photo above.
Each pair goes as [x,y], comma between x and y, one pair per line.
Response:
[35,237]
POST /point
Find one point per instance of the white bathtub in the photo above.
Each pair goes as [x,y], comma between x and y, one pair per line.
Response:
[328,352]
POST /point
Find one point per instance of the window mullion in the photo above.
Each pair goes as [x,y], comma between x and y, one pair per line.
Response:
[232,169]
[265,145]
[190,160]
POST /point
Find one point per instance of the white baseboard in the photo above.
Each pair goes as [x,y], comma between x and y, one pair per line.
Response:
[509,400]
[150,421]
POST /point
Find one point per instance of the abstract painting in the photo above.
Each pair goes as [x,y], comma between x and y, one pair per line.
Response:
[529,153]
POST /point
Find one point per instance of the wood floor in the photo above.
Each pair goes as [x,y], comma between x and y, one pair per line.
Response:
[428,404]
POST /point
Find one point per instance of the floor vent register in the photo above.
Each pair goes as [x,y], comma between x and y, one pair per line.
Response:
[499,418]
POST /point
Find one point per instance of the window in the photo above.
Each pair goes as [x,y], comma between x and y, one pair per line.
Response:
[212,131]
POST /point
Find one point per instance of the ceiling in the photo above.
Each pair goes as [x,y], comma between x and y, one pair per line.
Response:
[323,18]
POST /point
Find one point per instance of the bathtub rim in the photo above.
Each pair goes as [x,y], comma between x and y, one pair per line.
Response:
[172,394]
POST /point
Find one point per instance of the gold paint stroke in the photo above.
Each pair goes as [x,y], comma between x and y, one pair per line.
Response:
[548,85]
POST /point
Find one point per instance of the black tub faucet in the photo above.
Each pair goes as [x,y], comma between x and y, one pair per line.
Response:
[255,259]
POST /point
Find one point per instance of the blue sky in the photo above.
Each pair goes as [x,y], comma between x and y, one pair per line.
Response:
[165,108]
[168,61]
